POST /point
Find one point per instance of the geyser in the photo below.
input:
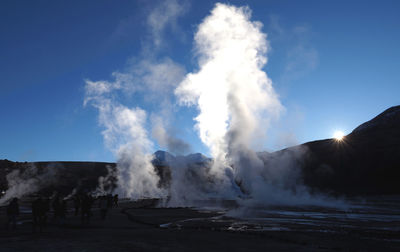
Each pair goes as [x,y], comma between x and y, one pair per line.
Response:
[236,103]
[234,96]
[126,135]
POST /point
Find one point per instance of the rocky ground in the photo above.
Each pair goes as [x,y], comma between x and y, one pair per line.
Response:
[130,227]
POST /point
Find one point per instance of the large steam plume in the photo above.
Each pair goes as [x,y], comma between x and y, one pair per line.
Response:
[236,102]
[234,95]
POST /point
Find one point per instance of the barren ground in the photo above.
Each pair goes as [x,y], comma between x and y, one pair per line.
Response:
[132,228]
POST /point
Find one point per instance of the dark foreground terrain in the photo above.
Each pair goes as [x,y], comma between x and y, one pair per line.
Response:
[372,225]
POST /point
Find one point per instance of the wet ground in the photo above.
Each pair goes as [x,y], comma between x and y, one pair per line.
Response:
[366,225]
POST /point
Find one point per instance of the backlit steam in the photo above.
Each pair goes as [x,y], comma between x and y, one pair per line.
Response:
[234,96]
[126,135]
[125,127]
[29,179]
[236,102]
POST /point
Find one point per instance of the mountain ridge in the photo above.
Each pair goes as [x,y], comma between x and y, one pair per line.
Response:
[367,161]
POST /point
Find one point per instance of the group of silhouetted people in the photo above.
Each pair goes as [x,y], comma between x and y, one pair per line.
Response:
[82,204]
[106,202]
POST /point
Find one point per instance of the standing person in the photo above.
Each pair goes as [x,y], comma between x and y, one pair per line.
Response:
[109,200]
[39,210]
[12,213]
[116,200]
[86,206]
[63,211]
[56,209]
[103,205]
[77,204]
[46,209]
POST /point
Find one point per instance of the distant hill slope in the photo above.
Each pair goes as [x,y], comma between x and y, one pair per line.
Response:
[367,161]
[50,176]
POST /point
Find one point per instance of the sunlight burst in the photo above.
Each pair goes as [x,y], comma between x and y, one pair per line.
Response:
[338,135]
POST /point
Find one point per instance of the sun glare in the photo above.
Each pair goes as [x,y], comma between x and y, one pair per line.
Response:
[338,135]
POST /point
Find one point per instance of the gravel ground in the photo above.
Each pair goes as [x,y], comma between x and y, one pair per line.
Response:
[133,228]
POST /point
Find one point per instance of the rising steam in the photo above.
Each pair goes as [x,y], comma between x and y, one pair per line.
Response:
[29,179]
[236,102]
[234,95]
[126,135]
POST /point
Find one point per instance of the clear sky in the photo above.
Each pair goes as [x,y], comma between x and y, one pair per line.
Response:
[334,64]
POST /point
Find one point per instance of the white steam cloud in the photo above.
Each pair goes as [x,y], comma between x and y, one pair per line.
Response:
[125,128]
[166,139]
[236,103]
[126,135]
[234,95]
[165,16]
[29,179]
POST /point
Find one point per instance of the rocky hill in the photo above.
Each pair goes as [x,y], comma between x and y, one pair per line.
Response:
[367,161]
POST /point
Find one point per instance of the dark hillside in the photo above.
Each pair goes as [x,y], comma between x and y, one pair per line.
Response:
[367,161]
[55,176]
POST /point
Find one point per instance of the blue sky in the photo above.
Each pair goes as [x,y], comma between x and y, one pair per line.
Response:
[334,65]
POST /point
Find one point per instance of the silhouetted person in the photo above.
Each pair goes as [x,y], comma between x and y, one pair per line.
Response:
[103,205]
[12,213]
[56,208]
[77,204]
[46,207]
[62,211]
[59,208]
[109,200]
[86,208]
[39,210]
[116,200]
